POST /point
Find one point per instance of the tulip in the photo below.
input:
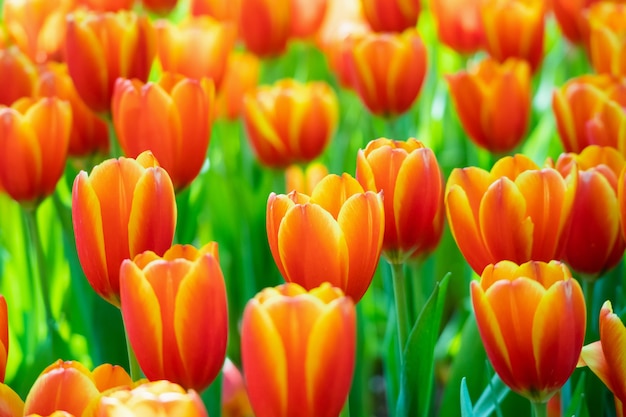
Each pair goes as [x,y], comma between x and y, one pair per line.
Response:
[89,133]
[605,357]
[493,102]
[307,17]
[101,47]
[595,244]
[58,413]
[171,117]
[107,5]
[162,7]
[198,47]
[589,110]
[123,208]
[391,15]
[409,176]
[514,29]
[290,122]
[235,402]
[459,25]
[621,199]
[222,10]
[4,338]
[11,405]
[175,313]
[107,376]
[34,138]
[298,349]
[304,181]
[516,212]
[265,25]
[344,228]
[242,75]
[380,64]
[607,25]
[531,319]
[570,15]
[16,66]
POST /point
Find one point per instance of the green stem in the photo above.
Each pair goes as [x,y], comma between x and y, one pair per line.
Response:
[402,315]
[133,365]
[539,409]
[115,151]
[592,321]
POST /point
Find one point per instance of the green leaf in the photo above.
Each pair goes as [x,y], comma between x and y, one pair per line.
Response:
[491,397]
[578,404]
[467,410]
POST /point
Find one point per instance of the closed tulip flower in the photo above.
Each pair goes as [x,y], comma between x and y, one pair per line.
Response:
[17,67]
[391,15]
[344,228]
[34,138]
[607,26]
[408,174]
[123,208]
[517,211]
[290,122]
[387,70]
[493,103]
[242,75]
[570,15]
[298,351]
[306,17]
[265,26]
[100,47]
[4,338]
[459,25]
[235,401]
[181,298]
[532,321]
[171,117]
[304,180]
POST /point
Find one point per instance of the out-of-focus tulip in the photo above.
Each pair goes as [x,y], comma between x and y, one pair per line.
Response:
[151,399]
[304,181]
[514,29]
[391,15]
[458,24]
[161,7]
[235,401]
[11,405]
[621,199]
[58,413]
[595,243]
[532,321]
[37,26]
[172,118]
[4,338]
[181,299]
[242,75]
[89,133]
[493,102]
[605,357]
[123,208]
[107,376]
[344,228]
[307,17]
[408,174]
[100,47]
[570,15]
[290,122]
[198,47]
[607,31]
[16,66]
[517,211]
[107,5]
[222,10]
[589,111]
[298,351]
[34,138]
[380,64]
[265,26]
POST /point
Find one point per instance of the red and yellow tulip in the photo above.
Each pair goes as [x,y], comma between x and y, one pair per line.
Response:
[304,180]
[459,25]
[242,75]
[306,17]
[235,401]
[298,351]
[222,10]
[607,31]
[17,67]
[391,15]
[265,26]
[570,15]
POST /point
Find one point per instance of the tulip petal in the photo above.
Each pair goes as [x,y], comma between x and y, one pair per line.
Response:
[277,206]
[107,376]
[11,405]
[333,190]
[613,338]
[592,355]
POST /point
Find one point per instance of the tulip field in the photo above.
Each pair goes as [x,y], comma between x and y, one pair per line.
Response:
[328,208]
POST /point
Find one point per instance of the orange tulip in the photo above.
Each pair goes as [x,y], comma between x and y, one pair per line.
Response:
[181,299]
[514,29]
[493,102]
[605,357]
[235,402]
[290,122]
[516,212]
[123,208]
[198,47]
[107,5]
[391,15]
[344,228]
[298,349]
[304,181]
[242,75]
[16,66]
[89,133]
[307,17]
[171,117]
[408,174]
[265,25]
[570,15]
[107,376]
[58,413]
[380,64]
[607,47]
[162,7]
[532,321]
[589,110]
[459,25]
[101,47]
[34,138]
[621,199]
[222,10]
[11,405]
[4,338]
[595,244]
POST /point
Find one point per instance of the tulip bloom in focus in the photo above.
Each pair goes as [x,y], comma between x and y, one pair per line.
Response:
[298,351]
[242,75]
[589,111]
[171,117]
[493,103]
[516,212]
[595,243]
[387,70]
[408,174]
[532,320]
[34,138]
[100,47]
[304,181]
[334,235]
[391,15]
[181,299]
[265,26]
[290,122]
[459,25]
[16,66]
[605,357]
[123,208]
[607,47]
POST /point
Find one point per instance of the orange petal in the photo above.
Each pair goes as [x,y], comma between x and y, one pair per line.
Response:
[11,405]
[613,338]
[333,190]
[107,376]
